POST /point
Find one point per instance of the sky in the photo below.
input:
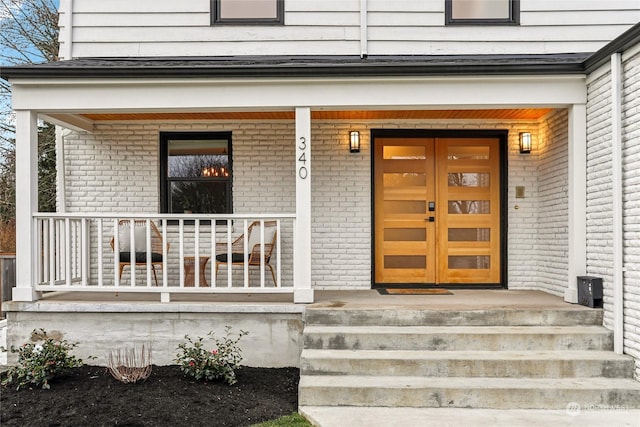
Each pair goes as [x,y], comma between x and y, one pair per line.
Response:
[5,55]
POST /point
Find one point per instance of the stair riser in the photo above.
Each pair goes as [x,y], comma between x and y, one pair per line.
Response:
[470,368]
[454,318]
[467,397]
[533,376]
[451,342]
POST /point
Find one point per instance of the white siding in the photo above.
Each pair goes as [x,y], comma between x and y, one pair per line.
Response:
[121,28]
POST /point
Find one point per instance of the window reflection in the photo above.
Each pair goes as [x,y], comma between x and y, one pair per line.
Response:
[469,207]
[481,262]
[469,179]
[197,172]
[405,261]
[469,234]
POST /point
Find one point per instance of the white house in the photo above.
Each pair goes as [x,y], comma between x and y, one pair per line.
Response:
[495,149]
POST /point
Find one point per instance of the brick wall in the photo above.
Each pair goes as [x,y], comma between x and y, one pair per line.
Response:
[599,194]
[599,188]
[116,169]
[631,197]
[552,229]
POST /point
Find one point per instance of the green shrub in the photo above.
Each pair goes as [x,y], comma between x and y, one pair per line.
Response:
[218,363]
[39,363]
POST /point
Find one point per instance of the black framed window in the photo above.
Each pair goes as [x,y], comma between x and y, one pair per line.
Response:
[248,12]
[482,12]
[196,172]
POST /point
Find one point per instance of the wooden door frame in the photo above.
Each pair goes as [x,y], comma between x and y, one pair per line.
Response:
[502,136]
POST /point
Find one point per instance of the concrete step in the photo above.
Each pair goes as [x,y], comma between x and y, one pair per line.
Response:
[458,337]
[451,392]
[589,416]
[488,364]
[571,316]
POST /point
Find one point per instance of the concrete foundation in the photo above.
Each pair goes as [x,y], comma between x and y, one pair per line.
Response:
[274,339]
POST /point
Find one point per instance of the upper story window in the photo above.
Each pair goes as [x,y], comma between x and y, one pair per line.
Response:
[195,172]
[256,12]
[482,12]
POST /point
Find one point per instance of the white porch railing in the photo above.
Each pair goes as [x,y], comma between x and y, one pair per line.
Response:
[102,252]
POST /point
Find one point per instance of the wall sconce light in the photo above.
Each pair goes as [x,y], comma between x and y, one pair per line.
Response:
[525,142]
[354,141]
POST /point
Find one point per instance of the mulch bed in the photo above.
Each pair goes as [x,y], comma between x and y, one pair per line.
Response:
[90,396]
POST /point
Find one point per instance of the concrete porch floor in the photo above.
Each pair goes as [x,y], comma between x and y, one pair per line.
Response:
[460,299]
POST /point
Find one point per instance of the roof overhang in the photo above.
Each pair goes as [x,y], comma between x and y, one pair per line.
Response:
[148,95]
[301,66]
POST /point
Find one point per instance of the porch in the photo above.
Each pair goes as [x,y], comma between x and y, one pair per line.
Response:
[111,158]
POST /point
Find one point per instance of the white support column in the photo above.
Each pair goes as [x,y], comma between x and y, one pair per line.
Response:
[60,172]
[303,293]
[577,190]
[617,202]
[26,204]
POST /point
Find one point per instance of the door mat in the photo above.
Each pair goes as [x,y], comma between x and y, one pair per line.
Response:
[412,291]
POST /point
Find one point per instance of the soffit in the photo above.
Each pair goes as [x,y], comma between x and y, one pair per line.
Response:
[489,114]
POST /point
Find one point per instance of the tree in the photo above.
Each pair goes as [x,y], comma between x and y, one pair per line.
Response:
[28,34]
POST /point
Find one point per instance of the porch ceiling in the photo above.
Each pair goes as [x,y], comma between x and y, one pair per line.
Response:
[490,114]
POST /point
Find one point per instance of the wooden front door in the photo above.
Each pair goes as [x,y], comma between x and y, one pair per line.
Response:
[437,210]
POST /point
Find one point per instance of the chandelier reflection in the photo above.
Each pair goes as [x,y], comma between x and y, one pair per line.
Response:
[215,172]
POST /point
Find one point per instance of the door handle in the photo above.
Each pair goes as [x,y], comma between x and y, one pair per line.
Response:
[431,219]
[432,206]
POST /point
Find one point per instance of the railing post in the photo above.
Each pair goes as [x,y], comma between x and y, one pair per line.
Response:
[229,255]
[278,256]
[246,250]
[100,251]
[164,254]
[147,234]
[181,248]
[213,263]
[196,253]
[84,254]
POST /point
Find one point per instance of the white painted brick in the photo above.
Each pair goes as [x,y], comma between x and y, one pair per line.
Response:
[599,211]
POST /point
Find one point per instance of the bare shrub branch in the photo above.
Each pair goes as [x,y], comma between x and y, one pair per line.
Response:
[130,365]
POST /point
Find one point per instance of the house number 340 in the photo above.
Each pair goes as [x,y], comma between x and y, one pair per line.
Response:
[303,172]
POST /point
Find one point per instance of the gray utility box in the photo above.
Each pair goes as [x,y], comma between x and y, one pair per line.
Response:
[590,291]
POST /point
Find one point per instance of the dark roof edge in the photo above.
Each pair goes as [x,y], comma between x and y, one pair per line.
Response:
[301,66]
[620,44]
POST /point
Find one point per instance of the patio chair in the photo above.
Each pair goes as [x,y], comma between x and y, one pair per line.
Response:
[254,253]
[140,241]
